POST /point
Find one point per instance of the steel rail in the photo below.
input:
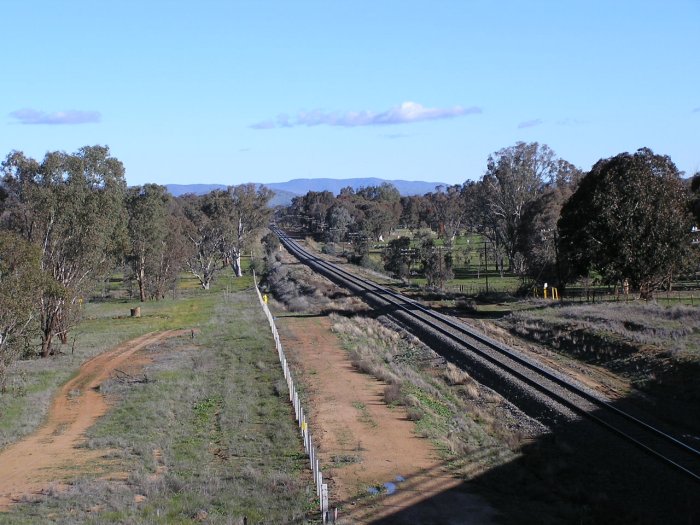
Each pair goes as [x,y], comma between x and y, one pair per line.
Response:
[407,305]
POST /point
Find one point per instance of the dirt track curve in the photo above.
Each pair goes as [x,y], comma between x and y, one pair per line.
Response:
[51,454]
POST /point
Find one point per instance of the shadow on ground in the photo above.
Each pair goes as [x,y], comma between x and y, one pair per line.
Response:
[576,474]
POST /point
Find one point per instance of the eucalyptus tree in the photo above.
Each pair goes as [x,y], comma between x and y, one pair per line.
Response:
[628,219]
[21,285]
[72,207]
[339,221]
[538,238]
[514,177]
[379,209]
[448,211]
[436,262]
[414,212]
[221,225]
[249,213]
[177,249]
[398,257]
[206,226]
[147,208]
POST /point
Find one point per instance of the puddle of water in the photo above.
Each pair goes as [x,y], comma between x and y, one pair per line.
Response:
[389,487]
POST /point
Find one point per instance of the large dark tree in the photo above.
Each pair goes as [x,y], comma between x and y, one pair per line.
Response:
[628,219]
[695,198]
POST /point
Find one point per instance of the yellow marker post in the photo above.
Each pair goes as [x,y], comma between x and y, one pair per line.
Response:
[265,298]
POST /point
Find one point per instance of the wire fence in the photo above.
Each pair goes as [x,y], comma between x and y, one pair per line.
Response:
[300,416]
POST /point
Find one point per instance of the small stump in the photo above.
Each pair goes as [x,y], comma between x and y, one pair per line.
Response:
[136,312]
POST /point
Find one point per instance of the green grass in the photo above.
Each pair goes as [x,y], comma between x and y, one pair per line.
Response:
[104,324]
[206,436]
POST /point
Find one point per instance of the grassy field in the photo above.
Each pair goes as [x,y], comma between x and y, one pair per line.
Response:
[105,324]
[208,438]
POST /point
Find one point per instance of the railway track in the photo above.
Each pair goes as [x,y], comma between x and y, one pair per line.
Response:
[527,383]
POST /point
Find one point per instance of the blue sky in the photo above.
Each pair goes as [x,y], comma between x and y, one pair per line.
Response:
[265,91]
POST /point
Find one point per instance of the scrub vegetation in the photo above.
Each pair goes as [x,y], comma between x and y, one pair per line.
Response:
[207,437]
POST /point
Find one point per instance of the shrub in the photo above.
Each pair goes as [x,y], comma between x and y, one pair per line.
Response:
[414,414]
[393,395]
[329,249]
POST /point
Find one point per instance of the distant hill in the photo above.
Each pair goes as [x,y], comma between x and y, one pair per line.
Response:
[301,186]
[285,191]
[198,189]
[281,198]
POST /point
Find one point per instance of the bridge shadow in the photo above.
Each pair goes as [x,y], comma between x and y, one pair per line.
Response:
[577,473]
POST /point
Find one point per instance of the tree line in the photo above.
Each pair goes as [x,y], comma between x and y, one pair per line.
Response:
[629,218]
[69,221]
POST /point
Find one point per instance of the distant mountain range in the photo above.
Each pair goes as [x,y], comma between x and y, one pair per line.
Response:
[286,191]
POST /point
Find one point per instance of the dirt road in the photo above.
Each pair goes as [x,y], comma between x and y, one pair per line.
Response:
[366,446]
[51,455]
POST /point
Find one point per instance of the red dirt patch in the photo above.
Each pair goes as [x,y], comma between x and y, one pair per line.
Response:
[51,454]
[363,443]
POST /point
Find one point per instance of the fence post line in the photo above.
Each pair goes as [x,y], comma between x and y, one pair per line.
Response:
[300,416]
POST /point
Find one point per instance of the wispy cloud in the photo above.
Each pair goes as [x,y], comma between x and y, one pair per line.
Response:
[530,123]
[32,116]
[696,110]
[571,122]
[404,114]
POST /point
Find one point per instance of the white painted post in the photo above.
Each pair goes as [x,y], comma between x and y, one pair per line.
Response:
[324,499]
[319,490]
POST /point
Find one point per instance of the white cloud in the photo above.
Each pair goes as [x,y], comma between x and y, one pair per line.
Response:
[32,116]
[404,114]
[530,123]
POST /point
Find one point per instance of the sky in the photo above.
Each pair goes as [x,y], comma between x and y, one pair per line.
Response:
[239,91]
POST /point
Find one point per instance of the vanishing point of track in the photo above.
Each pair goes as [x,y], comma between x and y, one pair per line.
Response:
[564,392]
